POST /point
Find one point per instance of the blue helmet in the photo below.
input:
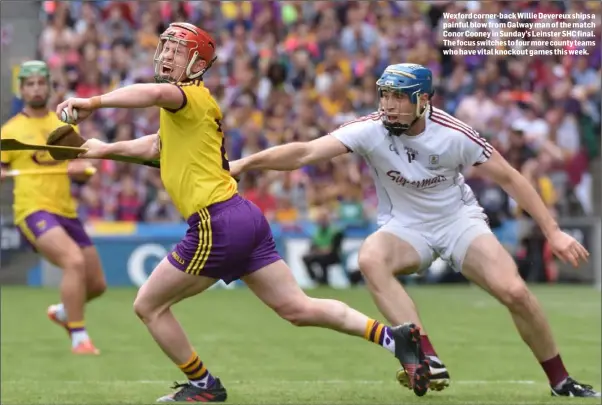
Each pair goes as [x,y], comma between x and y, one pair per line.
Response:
[410,79]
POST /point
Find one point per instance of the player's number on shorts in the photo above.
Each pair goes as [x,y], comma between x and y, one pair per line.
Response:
[225,163]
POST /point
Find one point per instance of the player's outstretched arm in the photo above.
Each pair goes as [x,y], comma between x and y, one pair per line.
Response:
[164,95]
[519,188]
[143,95]
[146,147]
[290,156]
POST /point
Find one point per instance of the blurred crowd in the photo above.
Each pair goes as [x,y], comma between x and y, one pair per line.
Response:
[295,70]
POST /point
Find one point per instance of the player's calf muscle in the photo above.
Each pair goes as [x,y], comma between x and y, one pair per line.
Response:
[95,288]
[73,295]
[96,284]
[327,313]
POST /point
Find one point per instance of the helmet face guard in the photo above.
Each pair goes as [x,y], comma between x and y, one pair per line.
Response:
[411,80]
[197,43]
[186,70]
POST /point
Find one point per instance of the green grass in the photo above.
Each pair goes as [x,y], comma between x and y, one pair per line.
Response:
[263,360]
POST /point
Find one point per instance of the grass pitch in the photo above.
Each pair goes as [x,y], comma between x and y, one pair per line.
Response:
[263,360]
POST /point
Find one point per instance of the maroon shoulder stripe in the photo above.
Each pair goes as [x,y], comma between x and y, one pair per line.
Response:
[374,116]
[469,132]
[487,149]
[456,124]
[440,113]
[453,120]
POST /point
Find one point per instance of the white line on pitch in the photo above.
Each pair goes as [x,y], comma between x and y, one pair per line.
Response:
[509,382]
[326,382]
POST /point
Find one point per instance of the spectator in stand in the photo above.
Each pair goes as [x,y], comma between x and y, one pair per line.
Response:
[128,201]
[161,210]
[258,192]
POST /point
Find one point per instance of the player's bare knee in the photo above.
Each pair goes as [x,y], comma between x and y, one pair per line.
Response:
[144,308]
[515,296]
[147,309]
[75,264]
[298,312]
[374,265]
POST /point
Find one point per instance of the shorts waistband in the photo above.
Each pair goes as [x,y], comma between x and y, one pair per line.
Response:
[215,209]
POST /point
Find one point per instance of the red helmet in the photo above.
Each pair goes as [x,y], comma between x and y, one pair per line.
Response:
[199,44]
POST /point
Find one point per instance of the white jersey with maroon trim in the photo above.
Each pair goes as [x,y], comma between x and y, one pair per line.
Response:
[418,178]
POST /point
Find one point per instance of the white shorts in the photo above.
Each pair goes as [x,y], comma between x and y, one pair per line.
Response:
[448,238]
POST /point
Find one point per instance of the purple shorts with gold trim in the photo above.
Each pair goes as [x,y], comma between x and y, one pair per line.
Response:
[226,241]
[40,222]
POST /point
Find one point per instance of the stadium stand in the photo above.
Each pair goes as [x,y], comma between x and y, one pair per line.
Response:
[296,70]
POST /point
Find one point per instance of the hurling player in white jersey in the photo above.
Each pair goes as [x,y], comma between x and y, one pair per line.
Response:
[416,153]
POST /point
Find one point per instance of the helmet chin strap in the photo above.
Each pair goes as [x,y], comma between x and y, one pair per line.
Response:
[397,128]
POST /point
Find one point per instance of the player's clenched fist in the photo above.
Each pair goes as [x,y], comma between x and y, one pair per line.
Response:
[95,149]
[75,110]
[567,248]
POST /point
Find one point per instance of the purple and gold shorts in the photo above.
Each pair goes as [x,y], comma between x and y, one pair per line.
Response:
[226,241]
[40,222]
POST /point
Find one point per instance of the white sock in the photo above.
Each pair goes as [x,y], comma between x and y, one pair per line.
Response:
[78,336]
[60,312]
[388,341]
[435,359]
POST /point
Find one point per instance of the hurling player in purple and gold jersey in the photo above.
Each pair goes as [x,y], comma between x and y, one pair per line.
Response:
[45,212]
[228,237]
